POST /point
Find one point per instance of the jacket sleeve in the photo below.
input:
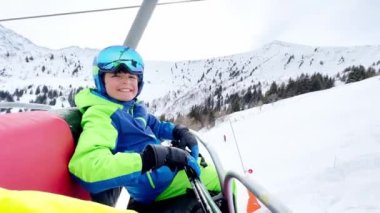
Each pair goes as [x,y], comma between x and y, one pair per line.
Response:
[163,130]
[93,162]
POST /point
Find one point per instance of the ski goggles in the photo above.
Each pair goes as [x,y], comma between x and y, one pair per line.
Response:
[111,58]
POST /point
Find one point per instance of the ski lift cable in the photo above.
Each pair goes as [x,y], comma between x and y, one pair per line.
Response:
[91,11]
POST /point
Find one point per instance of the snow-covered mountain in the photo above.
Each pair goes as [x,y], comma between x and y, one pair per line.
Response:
[25,69]
[276,61]
[35,74]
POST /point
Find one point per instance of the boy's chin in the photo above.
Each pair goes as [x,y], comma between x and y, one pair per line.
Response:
[126,99]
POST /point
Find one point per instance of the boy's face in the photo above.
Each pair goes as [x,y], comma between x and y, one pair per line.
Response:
[121,86]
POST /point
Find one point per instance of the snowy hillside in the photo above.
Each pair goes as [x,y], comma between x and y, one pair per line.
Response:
[318,152]
[25,69]
[29,73]
[277,61]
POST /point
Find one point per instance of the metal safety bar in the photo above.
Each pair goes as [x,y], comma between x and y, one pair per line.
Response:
[273,204]
[34,106]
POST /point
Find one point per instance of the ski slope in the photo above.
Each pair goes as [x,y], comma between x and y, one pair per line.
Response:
[317,152]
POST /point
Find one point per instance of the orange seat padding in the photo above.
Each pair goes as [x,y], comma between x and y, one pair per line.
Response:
[35,149]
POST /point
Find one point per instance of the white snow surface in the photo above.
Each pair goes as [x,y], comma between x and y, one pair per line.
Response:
[318,152]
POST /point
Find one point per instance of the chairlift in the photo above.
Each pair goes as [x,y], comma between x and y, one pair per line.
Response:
[30,123]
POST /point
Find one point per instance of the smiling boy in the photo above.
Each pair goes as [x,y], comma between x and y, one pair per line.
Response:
[120,145]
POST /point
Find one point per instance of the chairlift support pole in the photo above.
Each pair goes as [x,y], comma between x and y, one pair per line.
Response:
[140,23]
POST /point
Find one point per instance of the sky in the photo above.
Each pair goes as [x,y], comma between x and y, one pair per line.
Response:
[202,29]
[317,152]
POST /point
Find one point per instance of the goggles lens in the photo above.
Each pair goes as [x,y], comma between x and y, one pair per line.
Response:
[109,59]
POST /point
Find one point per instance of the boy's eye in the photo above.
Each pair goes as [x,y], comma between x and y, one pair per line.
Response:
[115,75]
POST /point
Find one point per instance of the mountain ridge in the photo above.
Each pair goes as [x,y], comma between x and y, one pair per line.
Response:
[168,84]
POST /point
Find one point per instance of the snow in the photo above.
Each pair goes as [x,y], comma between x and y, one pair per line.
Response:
[317,152]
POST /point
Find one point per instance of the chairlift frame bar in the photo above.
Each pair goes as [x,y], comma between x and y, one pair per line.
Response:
[32,106]
[140,23]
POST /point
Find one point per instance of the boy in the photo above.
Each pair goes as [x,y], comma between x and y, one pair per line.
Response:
[120,142]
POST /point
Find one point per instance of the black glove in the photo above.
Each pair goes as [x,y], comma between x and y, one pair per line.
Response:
[154,156]
[183,138]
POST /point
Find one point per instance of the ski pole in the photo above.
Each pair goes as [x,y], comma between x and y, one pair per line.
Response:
[197,193]
[203,196]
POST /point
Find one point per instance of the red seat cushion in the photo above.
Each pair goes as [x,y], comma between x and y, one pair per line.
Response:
[35,148]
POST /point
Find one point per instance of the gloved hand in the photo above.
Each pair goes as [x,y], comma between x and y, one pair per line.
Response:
[154,156]
[183,138]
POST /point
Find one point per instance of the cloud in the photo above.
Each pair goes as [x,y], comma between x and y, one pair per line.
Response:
[202,29]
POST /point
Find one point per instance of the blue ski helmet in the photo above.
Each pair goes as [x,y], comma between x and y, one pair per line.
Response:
[113,58]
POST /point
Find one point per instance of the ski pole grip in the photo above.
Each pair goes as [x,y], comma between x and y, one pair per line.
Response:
[190,172]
